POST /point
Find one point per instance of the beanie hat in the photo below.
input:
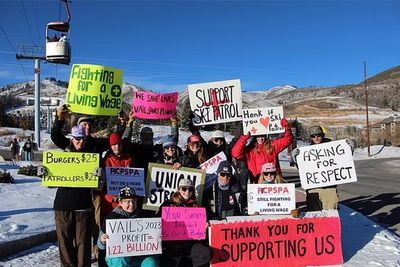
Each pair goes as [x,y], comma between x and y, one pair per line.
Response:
[146,130]
[218,134]
[168,140]
[126,192]
[193,139]
[185,183]
[84,118]
[316,129]
[268,167]
[78,132]
[225,167]
[115,139]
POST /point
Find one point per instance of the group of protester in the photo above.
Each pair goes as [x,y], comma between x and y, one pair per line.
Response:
[80,213]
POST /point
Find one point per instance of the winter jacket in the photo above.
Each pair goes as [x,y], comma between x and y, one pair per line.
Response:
[255,159]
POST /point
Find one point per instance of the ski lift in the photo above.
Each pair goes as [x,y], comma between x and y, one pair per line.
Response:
[58,48]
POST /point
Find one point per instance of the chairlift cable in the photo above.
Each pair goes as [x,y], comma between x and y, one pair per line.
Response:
[36,21]
[27,21]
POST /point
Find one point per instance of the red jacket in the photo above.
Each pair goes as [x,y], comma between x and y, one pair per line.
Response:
[256,159]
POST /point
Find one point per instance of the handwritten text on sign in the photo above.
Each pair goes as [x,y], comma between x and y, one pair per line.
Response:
[147,105]
[118,178]
[95,90]
[181,223]
[284,242]
[162,181]
[62,170]
[133,237]
[271,198]
[326,164]
[216,102]
[263,120]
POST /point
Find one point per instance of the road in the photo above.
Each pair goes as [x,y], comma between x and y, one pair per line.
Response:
[376,194]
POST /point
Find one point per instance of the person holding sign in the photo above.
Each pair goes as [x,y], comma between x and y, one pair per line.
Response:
[194,155]
[264,150]
[127,209]
[184,252]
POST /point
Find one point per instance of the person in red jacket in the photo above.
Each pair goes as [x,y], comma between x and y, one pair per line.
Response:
[264,150]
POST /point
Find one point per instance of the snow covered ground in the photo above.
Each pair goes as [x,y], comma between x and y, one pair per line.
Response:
[26,209]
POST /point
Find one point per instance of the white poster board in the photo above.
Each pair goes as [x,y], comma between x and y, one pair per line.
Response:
[271,198]
[259,121]
[162,181]
[326,164]
[119,177]
[216,102]
[133,237]
[212,164]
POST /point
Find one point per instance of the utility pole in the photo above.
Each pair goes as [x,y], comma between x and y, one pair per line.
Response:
[366,107]
[32,52]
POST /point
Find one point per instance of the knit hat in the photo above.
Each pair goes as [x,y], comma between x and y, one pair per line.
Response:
[193,139]
[268,167]
[84,118]
[316,129]
[218,134]
[185,183]
[168,140]
[78,132]
[115,139]
[126,192]
[225,167]
[146,130]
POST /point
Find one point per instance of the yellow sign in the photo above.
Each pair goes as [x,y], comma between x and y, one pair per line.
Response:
[70,169]
[95,90]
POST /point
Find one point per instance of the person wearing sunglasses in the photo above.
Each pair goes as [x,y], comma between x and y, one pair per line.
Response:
[184,252]
[171,151]
[194,154]
[269,175]
[225,197]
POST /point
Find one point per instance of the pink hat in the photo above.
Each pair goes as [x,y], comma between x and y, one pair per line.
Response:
[268,167]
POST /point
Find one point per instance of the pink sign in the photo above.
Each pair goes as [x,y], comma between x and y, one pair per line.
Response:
[147,105]
[180,223]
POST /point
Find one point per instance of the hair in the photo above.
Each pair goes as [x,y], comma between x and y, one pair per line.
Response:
[177,199]
[201,157]
[269,148]
[278,179]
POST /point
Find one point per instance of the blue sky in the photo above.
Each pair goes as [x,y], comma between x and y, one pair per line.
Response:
[165,45]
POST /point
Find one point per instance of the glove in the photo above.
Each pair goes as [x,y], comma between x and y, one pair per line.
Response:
[284,123]
[41,171]
[295,153]
[62,112]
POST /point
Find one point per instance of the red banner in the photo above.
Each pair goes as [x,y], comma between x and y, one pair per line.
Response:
[284,242]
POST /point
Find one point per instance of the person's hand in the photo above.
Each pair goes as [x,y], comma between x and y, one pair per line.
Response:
[104,237]
[131,119]
[176,166]
[174,121]
[41,171]
[62,112]
[295,213]
[284,123]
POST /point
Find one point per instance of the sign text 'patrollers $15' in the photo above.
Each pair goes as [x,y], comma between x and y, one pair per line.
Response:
[95,90]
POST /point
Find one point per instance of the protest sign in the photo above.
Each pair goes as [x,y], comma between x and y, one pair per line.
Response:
[326,164]
[259,121]
[182,223]
[95,90]
[119,177]
[216,102]
[212,164]
[148,105]
[162,181]
[281,242]
[271,198]
[62,169]
[133,237]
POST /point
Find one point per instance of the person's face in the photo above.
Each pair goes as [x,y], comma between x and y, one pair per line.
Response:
[79,143]
[260,139]
[122,118]
[224,178]
[218,141]
[317,138]
[86,125]
[269,176]
[186,192]
[194,147]
[170,150]
[129,204]
[116,149]
[147,138]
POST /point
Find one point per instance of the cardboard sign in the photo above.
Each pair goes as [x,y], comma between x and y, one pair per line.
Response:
[133,237]
[62,169]
[162,181]
[326,164]
[282,242]
[271,198]
[212,164]
[216,102]
[95,90]
[119,177]
[259,121]
[181,223]
[148,105]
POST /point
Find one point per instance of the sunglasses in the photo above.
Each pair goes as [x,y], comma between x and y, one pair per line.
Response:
[315,135]
[219,140]
[169,147]
[223,174]
[194,144]
[79,138]
[184,189]
[269,173]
